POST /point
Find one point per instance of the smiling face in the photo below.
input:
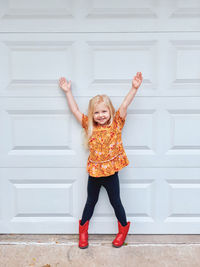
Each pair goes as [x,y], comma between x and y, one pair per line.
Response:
[101,114]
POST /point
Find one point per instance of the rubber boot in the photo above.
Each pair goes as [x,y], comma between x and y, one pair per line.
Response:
[83,234]
[121,236]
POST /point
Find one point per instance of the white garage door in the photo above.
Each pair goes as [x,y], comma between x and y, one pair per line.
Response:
[99,45]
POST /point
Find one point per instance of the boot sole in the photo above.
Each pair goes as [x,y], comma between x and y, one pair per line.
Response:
[117,246]
[83,247]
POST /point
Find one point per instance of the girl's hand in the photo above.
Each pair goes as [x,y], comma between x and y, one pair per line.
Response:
[64,84]
[137,80]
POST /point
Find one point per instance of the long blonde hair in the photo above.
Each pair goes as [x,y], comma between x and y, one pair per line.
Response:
[91,123]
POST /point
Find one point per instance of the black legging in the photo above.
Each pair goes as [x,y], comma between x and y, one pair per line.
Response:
[111,184]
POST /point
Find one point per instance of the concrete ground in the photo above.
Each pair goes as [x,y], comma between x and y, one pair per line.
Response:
[63,251]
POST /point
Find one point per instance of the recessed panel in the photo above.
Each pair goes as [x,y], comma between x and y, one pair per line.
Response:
[116,61]
[20,4]
[38,130]
[40,62]
[141,195]
[38,9]
[185,130]
[141,135]
[188,59]
[187,4]
[42,199]
[183,198]
[118,4]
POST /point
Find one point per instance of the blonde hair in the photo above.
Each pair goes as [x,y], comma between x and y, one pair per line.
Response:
[91,123]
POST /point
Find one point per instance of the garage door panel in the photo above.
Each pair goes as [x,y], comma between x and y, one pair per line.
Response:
[184,194]
[36,133]
[152,136]
[32,67]
[141,120]
[169,65]
[41,200]
[154,199]
[183,137]
[38,63]
[181,202]
[140,192]
[183,63]
[50,9]
[98,16]
[168,136]
[190,139]
[143,192]
[119,60]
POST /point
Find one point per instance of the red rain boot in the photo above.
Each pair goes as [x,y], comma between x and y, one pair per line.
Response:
[83,234]
[121,236]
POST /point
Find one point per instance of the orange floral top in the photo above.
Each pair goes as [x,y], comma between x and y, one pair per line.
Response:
[107,154]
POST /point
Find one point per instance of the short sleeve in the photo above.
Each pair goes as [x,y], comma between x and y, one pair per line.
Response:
[119,120]
[84,121]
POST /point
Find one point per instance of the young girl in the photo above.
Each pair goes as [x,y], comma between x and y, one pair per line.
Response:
[103,128]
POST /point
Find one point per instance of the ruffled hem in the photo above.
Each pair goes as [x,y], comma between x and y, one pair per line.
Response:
[107,168]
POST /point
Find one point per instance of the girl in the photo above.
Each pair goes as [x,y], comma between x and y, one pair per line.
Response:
[103,128]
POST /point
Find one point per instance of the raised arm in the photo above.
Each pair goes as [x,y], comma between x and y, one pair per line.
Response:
[66,87]
[136,82]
